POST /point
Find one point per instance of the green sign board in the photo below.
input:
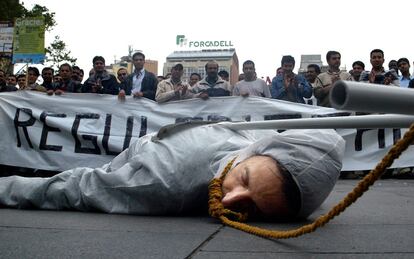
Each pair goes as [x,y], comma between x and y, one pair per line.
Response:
[182,41]
[29,40]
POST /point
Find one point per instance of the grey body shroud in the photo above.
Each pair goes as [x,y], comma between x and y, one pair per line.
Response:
[170,175]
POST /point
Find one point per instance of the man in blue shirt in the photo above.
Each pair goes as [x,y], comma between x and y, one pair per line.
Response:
[288,86]
[404,67]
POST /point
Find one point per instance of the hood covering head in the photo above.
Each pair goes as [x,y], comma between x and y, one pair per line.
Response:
[312,157]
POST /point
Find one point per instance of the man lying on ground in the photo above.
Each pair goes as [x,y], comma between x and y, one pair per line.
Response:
[281,175]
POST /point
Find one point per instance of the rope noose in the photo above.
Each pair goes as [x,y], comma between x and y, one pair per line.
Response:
[217,210]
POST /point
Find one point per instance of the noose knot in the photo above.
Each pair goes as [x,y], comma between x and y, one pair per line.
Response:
[216,208]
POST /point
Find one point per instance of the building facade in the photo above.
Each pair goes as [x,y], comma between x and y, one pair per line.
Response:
[194,61]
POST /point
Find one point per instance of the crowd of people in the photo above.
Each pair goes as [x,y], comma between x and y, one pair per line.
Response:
[312,87]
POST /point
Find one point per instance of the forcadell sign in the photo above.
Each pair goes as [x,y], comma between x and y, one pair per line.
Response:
[182,41]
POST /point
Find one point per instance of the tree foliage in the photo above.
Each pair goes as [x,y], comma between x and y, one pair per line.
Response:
[12,9]
[39,10]
[58,53]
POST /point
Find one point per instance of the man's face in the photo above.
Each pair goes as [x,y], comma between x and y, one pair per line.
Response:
[335,61]
[311,74]
[11,80]
[122,75]
[47,75]
[393,65]
[249,71]
[32,77]
[212,70]
[176,73]
[357,70]
[255,185]
[377,59]
[21,82]
[139,62]
[99,66]
[65,73]
[58,78]
[225,77]
[288,68]
[404,67]
[279,71]
[76,74]
[193,80]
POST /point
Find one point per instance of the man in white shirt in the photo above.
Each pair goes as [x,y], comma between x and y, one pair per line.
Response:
[251,85]
[141,83]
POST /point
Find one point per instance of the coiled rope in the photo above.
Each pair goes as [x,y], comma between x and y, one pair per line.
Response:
[217,210]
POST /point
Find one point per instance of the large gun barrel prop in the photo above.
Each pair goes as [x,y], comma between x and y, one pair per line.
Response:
[363,97]
[352,96]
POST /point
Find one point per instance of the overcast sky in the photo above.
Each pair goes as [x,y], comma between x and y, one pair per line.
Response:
[260,30]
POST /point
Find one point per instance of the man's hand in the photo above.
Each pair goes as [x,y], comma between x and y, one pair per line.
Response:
[96,87]
[177,89]
[387,80]
[287,81]
[203,95]
[180,89]
[184,89]
[49,92]
[138,94]
[121,95]
[59,92]
[335,78]
[372,76]
[245,94]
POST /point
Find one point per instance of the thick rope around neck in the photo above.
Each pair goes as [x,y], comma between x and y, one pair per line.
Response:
[217,210]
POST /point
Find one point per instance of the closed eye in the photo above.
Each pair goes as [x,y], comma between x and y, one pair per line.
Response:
[246,177]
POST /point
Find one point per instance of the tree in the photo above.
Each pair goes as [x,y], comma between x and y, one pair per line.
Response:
[39,10]
[58,53]
[12,9]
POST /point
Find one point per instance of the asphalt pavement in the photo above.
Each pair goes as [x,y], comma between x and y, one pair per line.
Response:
[379,225]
